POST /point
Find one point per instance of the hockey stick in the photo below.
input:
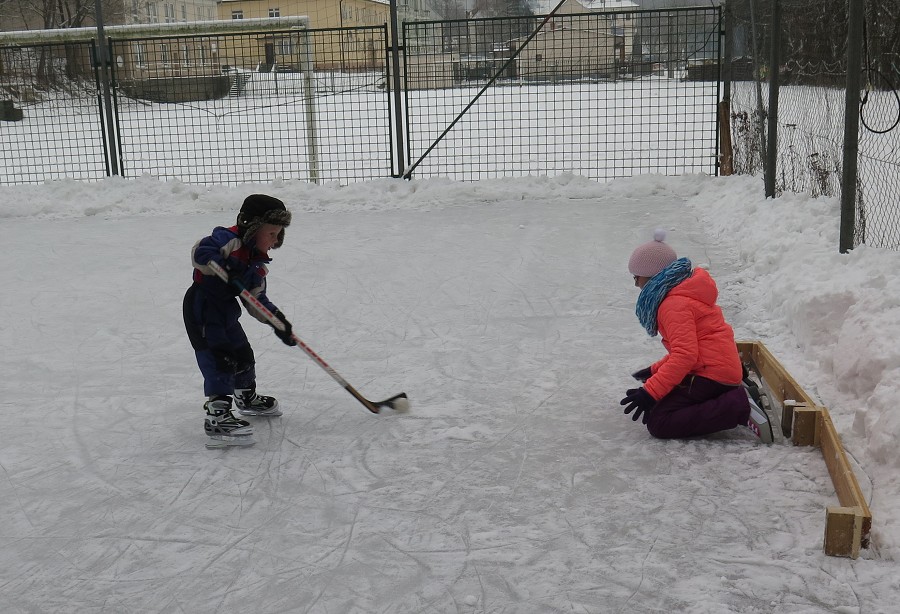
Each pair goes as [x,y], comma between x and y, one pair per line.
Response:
[398,402]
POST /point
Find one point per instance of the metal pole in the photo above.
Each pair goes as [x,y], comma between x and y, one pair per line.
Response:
[851,124]
[398,108]
[727,35]
[307,65]
[757,77]
[726,149]
[774,63]
[103,60]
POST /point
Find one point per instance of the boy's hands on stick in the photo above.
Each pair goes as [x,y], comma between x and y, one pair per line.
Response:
[286,335]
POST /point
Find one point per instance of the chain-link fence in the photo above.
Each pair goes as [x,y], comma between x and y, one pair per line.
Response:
[878,199]
[810,41]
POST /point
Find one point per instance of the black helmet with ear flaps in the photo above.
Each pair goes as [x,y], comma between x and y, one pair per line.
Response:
[259,209]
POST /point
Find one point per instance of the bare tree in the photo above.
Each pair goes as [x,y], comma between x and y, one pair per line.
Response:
[53,14]
[502,8]
[449,9]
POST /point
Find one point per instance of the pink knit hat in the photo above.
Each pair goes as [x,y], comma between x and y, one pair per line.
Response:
[650,258]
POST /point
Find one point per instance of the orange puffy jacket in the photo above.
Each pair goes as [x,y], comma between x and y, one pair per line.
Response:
[696,335]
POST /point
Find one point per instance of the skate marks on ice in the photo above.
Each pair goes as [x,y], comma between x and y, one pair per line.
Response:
[515,485]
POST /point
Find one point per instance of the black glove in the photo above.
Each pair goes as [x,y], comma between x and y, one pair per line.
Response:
[285,335]
[638,401]
[643,375]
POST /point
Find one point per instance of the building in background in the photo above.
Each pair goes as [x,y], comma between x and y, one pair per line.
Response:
[350,34]
[181,11]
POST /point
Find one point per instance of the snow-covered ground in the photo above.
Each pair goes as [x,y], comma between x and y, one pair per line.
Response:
[504,309]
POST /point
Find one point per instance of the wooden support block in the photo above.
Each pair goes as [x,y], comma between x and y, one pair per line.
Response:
[843,531]
[787,417]
[782,386]
[806,425]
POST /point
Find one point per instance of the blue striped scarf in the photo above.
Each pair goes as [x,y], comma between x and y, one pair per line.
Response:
[656,290]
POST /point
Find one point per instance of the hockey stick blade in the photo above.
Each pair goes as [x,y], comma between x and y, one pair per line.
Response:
[398,402]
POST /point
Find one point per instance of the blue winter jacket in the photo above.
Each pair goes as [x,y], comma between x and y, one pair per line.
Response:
[224,246]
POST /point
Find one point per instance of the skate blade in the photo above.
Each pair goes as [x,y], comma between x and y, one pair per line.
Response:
[225,441]
[260,414]
[217,445]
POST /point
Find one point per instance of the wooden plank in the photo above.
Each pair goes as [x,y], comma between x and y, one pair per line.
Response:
[843,531]
[842,476]
[848,526]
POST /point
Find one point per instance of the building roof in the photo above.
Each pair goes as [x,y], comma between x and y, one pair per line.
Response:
[543,7]
[228,1]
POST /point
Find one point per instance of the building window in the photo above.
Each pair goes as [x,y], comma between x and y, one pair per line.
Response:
[169,10]
[274,12]
[140,56]
[152,14]
[237,14]
[183,12]
[286,47]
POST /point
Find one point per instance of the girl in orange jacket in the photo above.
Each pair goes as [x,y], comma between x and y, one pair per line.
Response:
[696,388]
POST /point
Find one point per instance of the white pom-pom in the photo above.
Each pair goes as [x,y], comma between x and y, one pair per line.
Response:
[401,404]
[659,235]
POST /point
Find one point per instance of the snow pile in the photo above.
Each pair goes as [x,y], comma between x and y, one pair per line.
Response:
[839,312]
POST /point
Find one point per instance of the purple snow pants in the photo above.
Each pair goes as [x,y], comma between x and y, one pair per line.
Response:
[698,406]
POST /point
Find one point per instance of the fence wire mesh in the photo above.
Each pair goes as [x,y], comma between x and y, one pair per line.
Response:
[55,88]
[605,95]
[878,192]
[254,107]
[811,114]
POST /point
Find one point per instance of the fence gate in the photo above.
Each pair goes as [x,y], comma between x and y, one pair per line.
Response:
[56,126]
[606,94]
[254,106]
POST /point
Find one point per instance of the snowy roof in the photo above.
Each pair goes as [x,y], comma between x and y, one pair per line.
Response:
[542,7]
[600,5]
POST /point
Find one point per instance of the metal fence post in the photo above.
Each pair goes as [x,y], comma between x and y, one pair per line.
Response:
[400,147]
[855,14]
[103,60]
[309,85]
[726,151]
[774,82]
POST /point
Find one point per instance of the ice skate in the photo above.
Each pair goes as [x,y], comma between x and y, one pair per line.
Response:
[222,427]
[251,404]
[759,421]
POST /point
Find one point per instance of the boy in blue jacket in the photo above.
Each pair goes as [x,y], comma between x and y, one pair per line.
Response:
[212,310]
